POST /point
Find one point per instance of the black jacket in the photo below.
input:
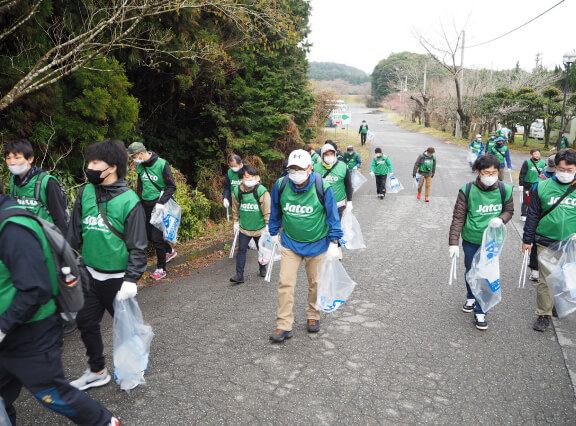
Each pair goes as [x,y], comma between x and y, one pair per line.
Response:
[168,180]
[134,228]
[21,253]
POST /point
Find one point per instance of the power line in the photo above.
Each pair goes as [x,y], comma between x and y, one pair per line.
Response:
[517,28]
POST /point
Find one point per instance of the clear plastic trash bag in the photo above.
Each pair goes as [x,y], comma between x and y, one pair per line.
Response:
[353,239]
[471,157]
[560,260]
[252,245]
[394,185]
[370,135]
[334,285]
[358,179]
[132,338]
[265,249]
[168,220]
[484,275]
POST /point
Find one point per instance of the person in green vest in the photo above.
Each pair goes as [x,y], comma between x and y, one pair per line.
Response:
[30,331]
[232,181]
[352,158]
[490,142]
[425,166]
[551,218]
[250,212]
[381,168]
[488,203]
[109,224]
[477,146]
[33,188]
[502,153]
[563,141]
[529,172]
[337,175]
[363,132]
[304,212]
[315,156]
[155,187]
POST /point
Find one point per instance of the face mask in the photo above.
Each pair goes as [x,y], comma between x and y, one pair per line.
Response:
[350,152]
[249,183]
[94,176]
[298,176]
[18,170]
[488,180]
[378,155]
[138,161]
[565,177]
[235,169]
[330,160]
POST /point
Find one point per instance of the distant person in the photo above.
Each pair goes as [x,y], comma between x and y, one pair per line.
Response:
[477,145]
[425,166]
[352,158]
[563,141]
[363,132]
[502,154]
[381,168]
[529,172]
[315,156]
[232,181]
[490,142]
[337,175]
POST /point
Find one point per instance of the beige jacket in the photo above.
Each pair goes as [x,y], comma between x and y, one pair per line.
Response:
[264,202]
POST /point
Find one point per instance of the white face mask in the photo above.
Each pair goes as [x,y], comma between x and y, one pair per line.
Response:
[488,180]
[565,177]
[329,159]
[18,170]
[249,183]
[138,161]
[235,169]
[298,176]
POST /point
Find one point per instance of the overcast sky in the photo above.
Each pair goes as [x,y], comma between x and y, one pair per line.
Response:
[360,33]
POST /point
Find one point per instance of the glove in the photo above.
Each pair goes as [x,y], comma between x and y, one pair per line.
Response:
[127,290]
[159,208]
[372,174]
[236,227]
[349,206]
[355,167]
[274,239]
[333,250]
[226,203]
[391,173]
[454,251]
[520,188]
[2,335]
[495,222]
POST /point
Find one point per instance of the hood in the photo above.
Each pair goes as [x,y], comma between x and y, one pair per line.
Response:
[150,162]
[105,193]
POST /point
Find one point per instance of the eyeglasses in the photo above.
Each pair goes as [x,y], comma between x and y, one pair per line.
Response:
[563,170]
[486,174]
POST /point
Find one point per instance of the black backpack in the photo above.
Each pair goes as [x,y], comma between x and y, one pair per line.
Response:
[254,192]
[500,186]
[319,187]
[70,298]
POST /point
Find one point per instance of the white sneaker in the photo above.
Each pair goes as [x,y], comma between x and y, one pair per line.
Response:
[91,380]
[523,218]
[534,275]
[480,321]
[114,422]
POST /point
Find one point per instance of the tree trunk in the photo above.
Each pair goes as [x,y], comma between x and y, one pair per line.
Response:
[525,137]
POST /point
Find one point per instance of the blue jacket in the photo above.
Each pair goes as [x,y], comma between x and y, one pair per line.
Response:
[481,147]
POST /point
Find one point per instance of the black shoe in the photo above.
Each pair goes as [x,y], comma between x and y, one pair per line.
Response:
[280,335]
[262,270]
[238,279]
[69,327]
[541,323]
[469,305]
[554,312]
[480,321]
[313,326]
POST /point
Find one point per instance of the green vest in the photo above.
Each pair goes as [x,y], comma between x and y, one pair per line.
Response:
[303,215]
[561,222]
[534,170]
[380,165]
[24,195]
[476,146]
[564,143]
[101,249]
[8,291]
[500,157]
[490,144]
[427,165]
[251,217]
[235,181]
[482,207]
[364,128]
[351,160]
[152,174]
[335,178]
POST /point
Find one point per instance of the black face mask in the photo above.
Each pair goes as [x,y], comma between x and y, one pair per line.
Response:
[94,176]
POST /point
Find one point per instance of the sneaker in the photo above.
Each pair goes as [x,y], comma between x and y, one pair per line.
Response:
[313,326]
[419,195]
[238,279]
[480,321]
[541,323]
[158,274]
[534,275]
[170,256]
[280,335]
[91,380]
[114,422]
[69,327]
[427,199]
[469,305]
[262,270]
[523,218]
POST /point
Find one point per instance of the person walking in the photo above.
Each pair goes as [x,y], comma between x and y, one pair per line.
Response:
[425,166]
[250,212]
[529,172]
[232,181]
[352,158]
[502,154]
[337,175]
[30,331]
[551,218]
[470,220]
[313,154]
[490,142]
[381,168]
[304,211]
[109,224]
[155,187]
[476,145]
[363,132]
[563,141]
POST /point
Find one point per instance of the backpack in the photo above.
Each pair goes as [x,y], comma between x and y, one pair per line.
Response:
[70,298]
[38,196]
[500,186]
[319,187]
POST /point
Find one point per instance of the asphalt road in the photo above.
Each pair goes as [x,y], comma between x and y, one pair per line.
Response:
[400,351]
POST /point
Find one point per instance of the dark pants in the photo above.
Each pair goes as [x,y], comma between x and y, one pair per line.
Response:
[524,207]
[42,374]
[98,297]
[243,241]
[363,138]
[533,264]
[341,211]
[469,252]
[156,237]
[381,184]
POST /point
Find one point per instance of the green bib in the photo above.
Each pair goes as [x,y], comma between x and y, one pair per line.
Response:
[24,196]
[534,170]
[560,223]
[380,165]
[315,157]
[482,207]
[303,215]
[101,249]
[152,174]
[490,144]
[235,181]
[500,155]
[427,165]
[7,289]
[476,146]
[335,178]
[351,160]
[251,218]
[363,129]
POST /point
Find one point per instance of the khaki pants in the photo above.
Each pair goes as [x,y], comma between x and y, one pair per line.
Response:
[428,180]
[501,174]
[544,300]
[289,266]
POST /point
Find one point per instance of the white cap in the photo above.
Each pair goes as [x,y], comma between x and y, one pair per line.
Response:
[299,158]
[479,135]
[327,147]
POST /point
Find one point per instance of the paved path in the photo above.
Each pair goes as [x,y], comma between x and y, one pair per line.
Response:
[399,352]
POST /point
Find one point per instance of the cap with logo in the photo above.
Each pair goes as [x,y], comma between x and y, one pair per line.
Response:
[299,158]
[136,148]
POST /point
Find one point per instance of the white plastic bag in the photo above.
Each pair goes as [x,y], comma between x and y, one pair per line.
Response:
[358,179]
[168,221]
[471,157]
[352,232]
[484,275]
[334,285]
[265,249]
[370,135]
[416,180]
[132,338]
[394,185]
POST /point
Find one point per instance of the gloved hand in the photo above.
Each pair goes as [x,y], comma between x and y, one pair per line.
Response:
[454,251]
[355,167]
[520,188]
[274,239]
[159,208]
[349,206]
[2,335]
[495,222]
[226,203]
[391,173]
[333,250]
[372,174]
[127,290]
